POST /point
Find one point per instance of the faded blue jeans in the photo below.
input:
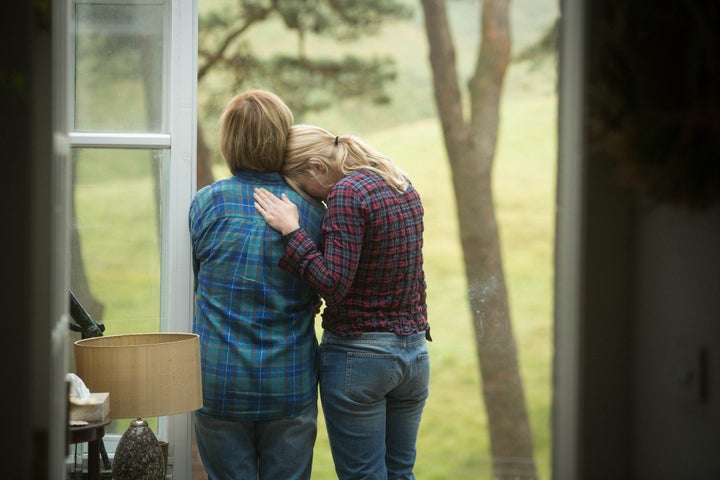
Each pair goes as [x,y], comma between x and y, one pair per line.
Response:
[373,390]
[264,449]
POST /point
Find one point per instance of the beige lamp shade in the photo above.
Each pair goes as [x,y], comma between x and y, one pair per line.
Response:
[146,374]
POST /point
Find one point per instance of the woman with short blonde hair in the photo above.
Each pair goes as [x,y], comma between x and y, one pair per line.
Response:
[253,131]
[255,321]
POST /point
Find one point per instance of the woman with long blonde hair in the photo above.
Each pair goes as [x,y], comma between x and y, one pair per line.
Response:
[368,267]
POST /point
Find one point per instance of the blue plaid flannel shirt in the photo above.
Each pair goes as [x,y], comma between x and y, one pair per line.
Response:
[255,321]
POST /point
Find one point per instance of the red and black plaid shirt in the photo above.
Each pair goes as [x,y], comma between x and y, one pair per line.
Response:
[368,265]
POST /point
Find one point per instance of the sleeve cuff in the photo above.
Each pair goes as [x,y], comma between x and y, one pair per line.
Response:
[288,236]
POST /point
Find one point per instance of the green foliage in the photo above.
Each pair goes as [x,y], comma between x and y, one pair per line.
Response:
[545,47]
[326,80]
[228,50]
[339,19]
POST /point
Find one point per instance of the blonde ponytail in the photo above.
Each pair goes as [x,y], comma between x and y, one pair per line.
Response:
[341,154]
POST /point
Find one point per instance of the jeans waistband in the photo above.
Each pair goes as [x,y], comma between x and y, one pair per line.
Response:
[386,338]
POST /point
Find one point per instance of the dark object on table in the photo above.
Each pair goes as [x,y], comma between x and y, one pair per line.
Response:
[89,328]
[84,323]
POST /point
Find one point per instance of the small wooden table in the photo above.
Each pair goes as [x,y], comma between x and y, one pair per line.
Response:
[91,434]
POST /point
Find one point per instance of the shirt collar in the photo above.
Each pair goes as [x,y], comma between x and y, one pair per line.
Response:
[272,177]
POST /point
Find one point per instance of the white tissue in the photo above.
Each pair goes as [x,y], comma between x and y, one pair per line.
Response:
[78,390]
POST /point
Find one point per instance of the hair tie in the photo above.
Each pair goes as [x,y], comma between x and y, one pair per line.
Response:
[336,141]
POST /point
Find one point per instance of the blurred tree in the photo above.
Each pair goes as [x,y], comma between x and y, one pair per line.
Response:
[227,57]
[471,147]
[543,48]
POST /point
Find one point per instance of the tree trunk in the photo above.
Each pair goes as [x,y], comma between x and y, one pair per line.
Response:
[78,273]
[471,152]
[204,166]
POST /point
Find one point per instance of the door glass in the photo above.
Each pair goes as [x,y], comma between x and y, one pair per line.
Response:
[116,225]
[118,67]
[121,99]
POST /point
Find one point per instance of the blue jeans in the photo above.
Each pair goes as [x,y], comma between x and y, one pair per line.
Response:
[373,389]
[252,450]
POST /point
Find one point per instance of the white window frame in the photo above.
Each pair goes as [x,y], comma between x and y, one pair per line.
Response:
[179,137]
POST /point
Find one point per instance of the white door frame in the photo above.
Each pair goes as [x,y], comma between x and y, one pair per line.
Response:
[179,137]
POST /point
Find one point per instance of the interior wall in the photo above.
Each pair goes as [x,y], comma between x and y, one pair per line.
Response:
[676,357]
[16,63]
[34,296]
[606,332]
[638,268]
[605,267]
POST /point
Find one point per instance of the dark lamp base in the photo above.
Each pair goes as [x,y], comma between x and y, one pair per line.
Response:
[138,455]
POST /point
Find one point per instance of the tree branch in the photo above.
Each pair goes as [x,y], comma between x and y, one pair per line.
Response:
[213,58]
[487,81]
[445,78]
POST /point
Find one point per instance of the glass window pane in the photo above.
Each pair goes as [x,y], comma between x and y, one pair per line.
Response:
[115,248]
[119,68]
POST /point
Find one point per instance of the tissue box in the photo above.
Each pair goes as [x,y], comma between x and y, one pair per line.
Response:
[94,409]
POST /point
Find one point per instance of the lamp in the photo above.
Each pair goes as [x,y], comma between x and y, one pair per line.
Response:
[147,375]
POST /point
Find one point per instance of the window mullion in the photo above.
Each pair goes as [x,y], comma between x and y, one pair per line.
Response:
[119,140]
